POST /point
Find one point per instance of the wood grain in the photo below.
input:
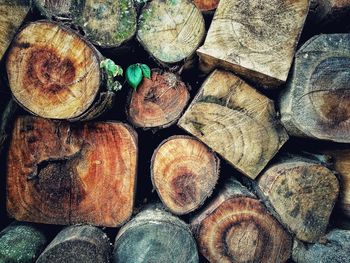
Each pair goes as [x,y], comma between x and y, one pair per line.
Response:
[236,121]
[60,173]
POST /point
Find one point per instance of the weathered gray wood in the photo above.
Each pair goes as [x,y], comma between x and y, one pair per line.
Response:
[303,194]
[21,243]
[254,38]
[236,227]
[316,101]
[78,244]
[155,236]
[236,121]
[333,248]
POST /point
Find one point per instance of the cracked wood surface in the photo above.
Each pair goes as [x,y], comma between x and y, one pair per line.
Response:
[171,30]
[255,39]
[60,173]
[236,227]
[236,121]
[316,101]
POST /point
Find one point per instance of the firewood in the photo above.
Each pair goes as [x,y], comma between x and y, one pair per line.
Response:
[155,236]
[236,227]
[184,173]
[108,24]
[303,194]
[206,5]
[13,13]
[236,121]
[58,173]
[79,244]
[21,242]
[316,102]
[171,30]
[255,39]
[7,118]
[333,248]
[158,102]
[54,73]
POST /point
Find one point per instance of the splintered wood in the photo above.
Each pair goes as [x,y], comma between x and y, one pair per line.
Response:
[255,39]
[235,121]
[65,174]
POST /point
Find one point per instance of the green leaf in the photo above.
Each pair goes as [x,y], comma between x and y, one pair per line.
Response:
[134,75]
[111,68]
[146,71]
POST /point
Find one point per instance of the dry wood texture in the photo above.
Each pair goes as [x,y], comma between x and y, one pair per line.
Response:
[64,174]
[21,243]
[316,102]
[236,121]
[155,236]
[333,248]
[184,173]
[105,23]
[303,194]
[236,227]
[171,30]
[255,39]
[54,73]
[158,102]
[13,13]
[206,5]
[78,244]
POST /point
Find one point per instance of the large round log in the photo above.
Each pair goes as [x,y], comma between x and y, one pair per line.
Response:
[78,244]
[316,101]
[184,173]
[21,242]
[158,102]
[171,30]
[54,73]
[303,194]
[206,5]
[155,236]
[59,173]
[105,23]
[236,227]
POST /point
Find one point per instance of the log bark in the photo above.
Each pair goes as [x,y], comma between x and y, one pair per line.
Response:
[158,102]
[58,173]
[184,173]
[316,101]
[246,37]
[303,194]
[7,118]
[334,248]
[236,227]
[21,242]
[171,30]
[79,244]
[108,24]
[155,236]
[235,121]
[206,6]
[13,13]
[54,73]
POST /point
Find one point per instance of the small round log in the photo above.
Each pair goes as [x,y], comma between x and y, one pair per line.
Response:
[158,102]
[206,5]
[155,236]
[236,227]
[21,242]
[108,24]
[171,30]
[184,173]
[54,73]
[79,244]
[303,194]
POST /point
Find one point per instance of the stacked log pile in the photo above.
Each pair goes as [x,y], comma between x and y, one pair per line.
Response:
[175,131]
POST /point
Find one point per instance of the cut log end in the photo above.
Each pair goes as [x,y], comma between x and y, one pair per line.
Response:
[206,5]
[303,195]
[50,79]
[171,30]
[61,174]
[184,173]
[158,102]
